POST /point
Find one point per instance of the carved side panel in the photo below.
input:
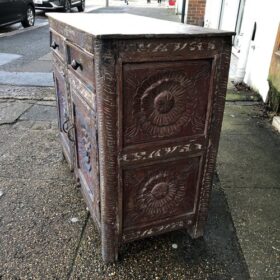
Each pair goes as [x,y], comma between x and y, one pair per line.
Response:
[164,100]
[220,87]
[154,194]
[87,150]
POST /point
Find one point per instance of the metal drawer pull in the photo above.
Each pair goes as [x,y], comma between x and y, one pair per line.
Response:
[75,65]
[65,126]
[54,45]
[69,134]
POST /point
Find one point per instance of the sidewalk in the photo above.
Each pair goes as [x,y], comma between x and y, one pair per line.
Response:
[46,232]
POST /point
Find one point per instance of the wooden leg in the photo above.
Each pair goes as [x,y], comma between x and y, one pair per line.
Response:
[109,251]
[195,232]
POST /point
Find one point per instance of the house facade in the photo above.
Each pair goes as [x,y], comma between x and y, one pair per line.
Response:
[255,23]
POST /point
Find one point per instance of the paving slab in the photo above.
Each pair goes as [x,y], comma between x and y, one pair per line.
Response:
[248,146]
[217,256]
[26,78]
[37,155]
[245,160]
[38,239]
[257,221]
[11,111]
[46,57]
[37,66]
[8,57]
[8,138]
[39,112]
[248,167]
[28,93]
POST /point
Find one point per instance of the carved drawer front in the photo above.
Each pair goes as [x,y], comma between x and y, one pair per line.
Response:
[57,43]
[165,100]
[64,121]
[87,163]
[79,87]
[82,65]
[160,193]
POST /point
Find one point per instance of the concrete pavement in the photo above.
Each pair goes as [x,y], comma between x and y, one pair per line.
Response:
[46,232]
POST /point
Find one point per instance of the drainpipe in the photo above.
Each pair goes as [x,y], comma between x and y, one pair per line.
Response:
[183,11]
[243,57]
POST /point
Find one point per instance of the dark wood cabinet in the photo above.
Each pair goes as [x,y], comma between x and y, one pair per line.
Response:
[146,106]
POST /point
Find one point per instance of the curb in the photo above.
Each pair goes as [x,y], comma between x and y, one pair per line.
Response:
[12,33]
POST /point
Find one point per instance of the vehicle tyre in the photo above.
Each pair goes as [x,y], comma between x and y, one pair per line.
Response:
[29,17]
[81,7]
[67,6]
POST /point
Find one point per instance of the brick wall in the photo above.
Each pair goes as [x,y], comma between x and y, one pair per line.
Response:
[196,10]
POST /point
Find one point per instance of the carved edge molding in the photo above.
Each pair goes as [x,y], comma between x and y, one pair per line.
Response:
[152,231]
[161,152]
[214,130]
[171,46]
[107,139]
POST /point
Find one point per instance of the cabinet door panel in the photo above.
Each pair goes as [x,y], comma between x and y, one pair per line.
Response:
[86,150]
[64,122]
[156,193]
[165,116]
[165,100]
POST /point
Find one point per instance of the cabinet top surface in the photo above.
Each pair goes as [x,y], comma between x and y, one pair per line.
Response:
[126,25]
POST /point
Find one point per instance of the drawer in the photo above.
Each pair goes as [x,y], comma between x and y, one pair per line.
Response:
[79,88]
[82,65]
[57,43]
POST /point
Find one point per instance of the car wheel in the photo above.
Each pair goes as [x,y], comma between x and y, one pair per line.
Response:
[29,17]
[67,6]
[81,7]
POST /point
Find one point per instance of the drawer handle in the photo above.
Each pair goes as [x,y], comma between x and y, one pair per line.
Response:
[69,134]
[75,65]
[54,45]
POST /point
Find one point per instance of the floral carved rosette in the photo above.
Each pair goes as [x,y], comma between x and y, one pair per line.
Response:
[160,194]
[163,104]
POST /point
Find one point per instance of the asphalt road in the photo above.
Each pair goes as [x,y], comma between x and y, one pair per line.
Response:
[24,54]
[25,58]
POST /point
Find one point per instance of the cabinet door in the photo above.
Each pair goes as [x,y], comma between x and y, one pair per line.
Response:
[63,108]
[86,148]
[165,111]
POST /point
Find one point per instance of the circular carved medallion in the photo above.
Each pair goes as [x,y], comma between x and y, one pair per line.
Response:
[164,104]
[160,194]
[160,190]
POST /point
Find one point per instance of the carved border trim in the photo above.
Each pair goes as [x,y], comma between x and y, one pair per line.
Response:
[155,46]
[142,233]
[161,152]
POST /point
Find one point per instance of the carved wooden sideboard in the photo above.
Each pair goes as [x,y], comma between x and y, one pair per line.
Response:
[140,108]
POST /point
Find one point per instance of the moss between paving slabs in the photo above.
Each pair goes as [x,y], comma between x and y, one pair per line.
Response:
[273,98]
[233,95]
